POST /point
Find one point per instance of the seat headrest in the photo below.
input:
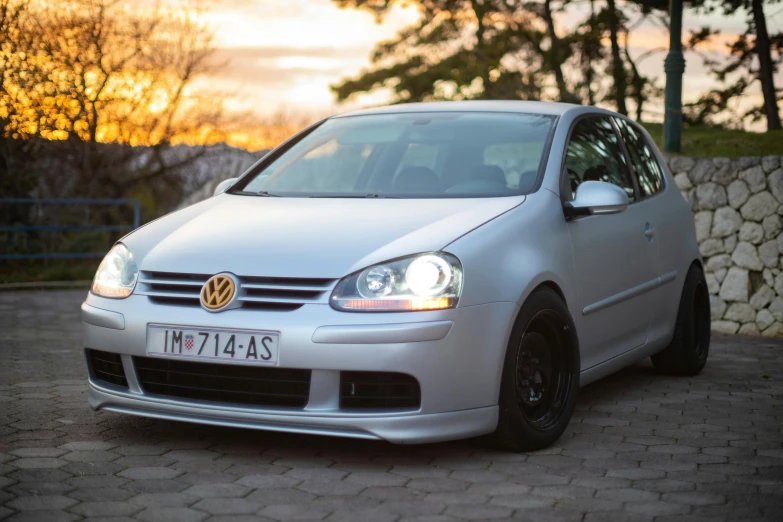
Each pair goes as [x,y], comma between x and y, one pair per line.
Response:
[417,180]
[489,173]
[595,173]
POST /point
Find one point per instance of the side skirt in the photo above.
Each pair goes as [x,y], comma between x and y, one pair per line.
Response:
[621,361]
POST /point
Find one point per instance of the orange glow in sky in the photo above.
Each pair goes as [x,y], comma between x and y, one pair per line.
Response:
[284,54]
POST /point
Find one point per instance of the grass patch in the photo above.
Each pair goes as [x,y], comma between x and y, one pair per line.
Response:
[712,142]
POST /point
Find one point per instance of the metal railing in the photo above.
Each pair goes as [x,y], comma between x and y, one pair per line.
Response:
[68,228]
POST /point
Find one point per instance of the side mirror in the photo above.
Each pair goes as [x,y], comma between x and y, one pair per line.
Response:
[223,186]
[596,197]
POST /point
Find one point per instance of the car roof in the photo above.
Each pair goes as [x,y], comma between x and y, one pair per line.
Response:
[516,106]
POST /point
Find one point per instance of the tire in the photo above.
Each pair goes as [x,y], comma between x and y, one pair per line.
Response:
[540,376]
[690,346]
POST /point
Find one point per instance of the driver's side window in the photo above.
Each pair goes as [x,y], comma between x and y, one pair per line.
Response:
[594,154]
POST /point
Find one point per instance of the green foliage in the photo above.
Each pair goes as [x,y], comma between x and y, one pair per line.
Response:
[459,49]
[515,49]
[754,57]
[706,141]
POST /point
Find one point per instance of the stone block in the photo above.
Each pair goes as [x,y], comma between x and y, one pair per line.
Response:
[736,285]
[751,232]
[745,162]
[755,178]
[703,222]
[772,226]
[713,286]
[738,193]
[769,255]
[749,329]
[701,171]
[764,319]
[681,164]
[718,262]
[683,181]
[741,313]
[776,308]
[725,327]
[762,297]
[759,206]
[730,243]
[725,222]
[778,285]
[717,307]
[710,196]
[775,181]
[775,330]
[770,163]
[745,255]
[724,173]
[711,247]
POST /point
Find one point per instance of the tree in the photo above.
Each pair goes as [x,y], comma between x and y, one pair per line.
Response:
[754,56]
[618,70]
[459,49]
[505,49]
[767,67]
[78,74]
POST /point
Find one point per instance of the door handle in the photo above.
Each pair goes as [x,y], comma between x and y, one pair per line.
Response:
[649,231]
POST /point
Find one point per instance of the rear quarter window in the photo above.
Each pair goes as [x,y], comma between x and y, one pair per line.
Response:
[645,165]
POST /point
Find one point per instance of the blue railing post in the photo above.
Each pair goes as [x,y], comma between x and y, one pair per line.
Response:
[136,214]
[62,228]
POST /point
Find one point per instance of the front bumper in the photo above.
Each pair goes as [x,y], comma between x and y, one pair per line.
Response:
[456,355]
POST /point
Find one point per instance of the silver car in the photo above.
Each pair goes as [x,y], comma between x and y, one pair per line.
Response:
[411,273]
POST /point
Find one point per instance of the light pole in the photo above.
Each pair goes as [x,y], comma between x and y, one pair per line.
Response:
[674,65]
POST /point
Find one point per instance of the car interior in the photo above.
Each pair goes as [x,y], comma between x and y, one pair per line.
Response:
[420,155]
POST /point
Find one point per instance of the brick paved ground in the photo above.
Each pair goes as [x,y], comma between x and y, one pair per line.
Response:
[641,447]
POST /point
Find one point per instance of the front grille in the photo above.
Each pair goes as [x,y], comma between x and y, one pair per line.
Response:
[379,390]
[259,293]
[107,367]
[224,383]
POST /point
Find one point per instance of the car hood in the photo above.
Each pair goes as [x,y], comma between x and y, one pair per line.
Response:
[304,237]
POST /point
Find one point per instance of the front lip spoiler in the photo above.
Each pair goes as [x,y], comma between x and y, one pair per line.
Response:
[396,427]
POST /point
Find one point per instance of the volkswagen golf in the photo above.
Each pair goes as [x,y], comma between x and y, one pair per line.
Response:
[410,273]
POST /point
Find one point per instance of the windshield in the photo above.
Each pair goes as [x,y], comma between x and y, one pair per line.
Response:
[411,155]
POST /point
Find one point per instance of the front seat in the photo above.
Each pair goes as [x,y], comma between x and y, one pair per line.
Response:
[417,180]
[488,173]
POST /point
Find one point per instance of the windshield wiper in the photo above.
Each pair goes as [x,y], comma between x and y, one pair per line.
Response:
[265,194]
[353,196]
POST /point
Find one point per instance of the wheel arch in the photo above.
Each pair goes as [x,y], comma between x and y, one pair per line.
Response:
[538,284]
[552,286]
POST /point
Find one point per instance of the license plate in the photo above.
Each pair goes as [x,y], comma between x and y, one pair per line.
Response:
[241,346]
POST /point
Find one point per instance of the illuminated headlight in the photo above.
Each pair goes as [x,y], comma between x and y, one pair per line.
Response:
[421,282]
[117,274]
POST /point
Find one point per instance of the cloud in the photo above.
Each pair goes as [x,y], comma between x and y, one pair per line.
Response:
[280,66]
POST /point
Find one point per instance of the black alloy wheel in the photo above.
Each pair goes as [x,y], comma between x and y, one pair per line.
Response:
[540,378]
[690,346]
[543,378]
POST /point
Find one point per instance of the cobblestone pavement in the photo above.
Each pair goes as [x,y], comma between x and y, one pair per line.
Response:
[640,447]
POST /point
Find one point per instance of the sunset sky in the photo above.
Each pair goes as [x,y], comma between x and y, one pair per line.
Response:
[285,53]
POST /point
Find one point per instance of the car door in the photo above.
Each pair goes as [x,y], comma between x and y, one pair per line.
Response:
[615,255]
[650,180]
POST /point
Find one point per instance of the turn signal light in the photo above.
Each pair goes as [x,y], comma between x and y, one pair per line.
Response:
[403,305]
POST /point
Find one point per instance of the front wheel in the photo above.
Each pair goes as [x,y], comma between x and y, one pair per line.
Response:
[540,375]
[687,353]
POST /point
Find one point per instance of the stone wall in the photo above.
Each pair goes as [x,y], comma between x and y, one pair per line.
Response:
[738,209]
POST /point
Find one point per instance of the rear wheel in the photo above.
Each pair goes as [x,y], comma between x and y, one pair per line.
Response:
[540,375]
[687,353]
